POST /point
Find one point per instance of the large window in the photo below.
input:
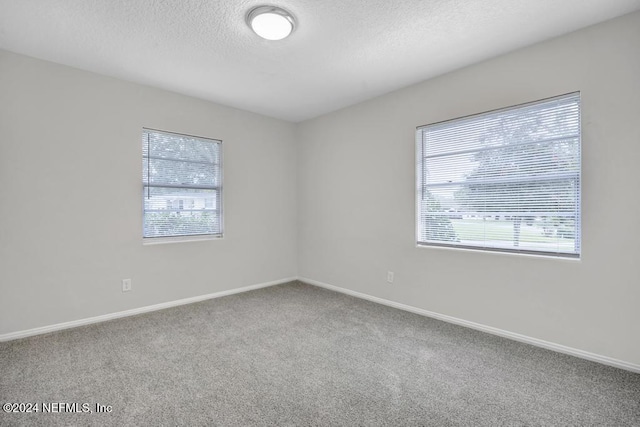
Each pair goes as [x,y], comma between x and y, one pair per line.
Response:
[182,183]
[505,180]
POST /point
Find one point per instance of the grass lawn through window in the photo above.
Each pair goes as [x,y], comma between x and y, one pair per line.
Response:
[500,234]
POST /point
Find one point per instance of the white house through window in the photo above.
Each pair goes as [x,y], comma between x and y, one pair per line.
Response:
[182,185]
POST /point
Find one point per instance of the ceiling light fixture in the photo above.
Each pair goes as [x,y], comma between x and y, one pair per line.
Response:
[270,22]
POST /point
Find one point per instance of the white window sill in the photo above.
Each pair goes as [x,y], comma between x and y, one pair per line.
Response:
[179,239]
[498,252]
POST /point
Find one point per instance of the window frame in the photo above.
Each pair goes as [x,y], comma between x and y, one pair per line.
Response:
[219,189]
[420,187]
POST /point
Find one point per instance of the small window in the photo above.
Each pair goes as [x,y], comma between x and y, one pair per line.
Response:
[182,183]
[505,180]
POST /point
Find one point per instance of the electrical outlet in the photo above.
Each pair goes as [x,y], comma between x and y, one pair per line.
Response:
[126,285]
[390,276]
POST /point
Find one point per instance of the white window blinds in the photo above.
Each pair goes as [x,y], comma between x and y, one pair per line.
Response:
[182,183]
[506,180]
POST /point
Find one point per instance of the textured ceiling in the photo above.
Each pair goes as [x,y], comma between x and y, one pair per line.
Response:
[342,51]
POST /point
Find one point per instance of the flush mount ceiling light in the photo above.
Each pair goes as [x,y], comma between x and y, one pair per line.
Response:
[270,22]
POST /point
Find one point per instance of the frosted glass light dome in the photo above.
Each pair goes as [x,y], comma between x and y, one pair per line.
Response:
[270,22]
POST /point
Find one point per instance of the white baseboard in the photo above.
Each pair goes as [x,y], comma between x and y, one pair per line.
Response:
[480,327]
[81,322]
[484,328]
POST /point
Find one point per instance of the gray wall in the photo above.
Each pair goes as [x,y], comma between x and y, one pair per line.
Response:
[357,184]
[330,199]
[71,195]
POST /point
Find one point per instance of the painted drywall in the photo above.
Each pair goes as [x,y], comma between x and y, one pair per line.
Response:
[71,195]
[70,203]
[356,171]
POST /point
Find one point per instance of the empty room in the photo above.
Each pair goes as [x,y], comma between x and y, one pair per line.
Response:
[331,213]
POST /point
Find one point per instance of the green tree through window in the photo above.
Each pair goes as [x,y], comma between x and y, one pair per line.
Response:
[516,169]
[182,179]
